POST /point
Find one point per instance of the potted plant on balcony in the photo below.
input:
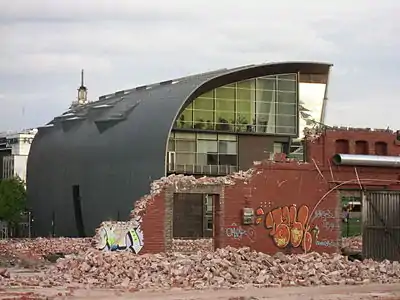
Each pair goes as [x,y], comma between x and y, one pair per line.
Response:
[241,123]
[209,125]
[223,124]
[199,124]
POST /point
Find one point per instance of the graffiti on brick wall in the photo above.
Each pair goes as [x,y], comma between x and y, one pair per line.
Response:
[327,219]
[288,227]
[237,232]
[120,236]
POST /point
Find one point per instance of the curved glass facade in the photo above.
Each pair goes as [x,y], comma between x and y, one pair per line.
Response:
[261,105]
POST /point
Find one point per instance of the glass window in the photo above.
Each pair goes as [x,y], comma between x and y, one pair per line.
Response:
[283,97]
[185,146]
[246,84]
[265,96]
[201,159]
[225,120]
[239,107]
[285,130]
[225,105]
[245,94]
[266,84]
[203,103]
[207,136]
[185,159]
[291,76]
[171,144]
[212,159]
[185,136]
[204,159]
[287,85]
[285,124]
[227,137]
[243,107]
[185,120]
[265,107]
[203,119]
[209,94]
[265,123]
[225,93]
[204,146]
[286,109]
[227,147]
[227,160]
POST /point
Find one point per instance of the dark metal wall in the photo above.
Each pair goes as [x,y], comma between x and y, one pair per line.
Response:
[381,225]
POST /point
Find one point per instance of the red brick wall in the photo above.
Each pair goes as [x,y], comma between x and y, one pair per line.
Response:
[276,192]
[323,149]
[153,226]
[277,188]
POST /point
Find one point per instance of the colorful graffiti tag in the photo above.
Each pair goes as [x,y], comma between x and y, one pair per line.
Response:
[238,232]
[288,226]
[114,237]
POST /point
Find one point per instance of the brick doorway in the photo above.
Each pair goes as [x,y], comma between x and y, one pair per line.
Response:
[195,218]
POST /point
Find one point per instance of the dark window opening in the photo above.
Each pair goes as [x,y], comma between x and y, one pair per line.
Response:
[342,146]
[193,215]
[381,148]
[362,147]
[76,198]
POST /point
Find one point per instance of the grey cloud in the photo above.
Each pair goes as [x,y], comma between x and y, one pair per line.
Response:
[122,44]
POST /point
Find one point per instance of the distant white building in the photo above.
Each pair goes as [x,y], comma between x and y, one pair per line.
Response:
[14,150]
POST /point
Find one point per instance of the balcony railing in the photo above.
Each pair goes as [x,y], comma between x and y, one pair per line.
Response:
[201,169]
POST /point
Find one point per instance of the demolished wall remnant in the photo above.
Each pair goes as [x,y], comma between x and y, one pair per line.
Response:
[297,205]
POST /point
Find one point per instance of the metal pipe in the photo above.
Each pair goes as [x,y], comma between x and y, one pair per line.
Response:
[367,160]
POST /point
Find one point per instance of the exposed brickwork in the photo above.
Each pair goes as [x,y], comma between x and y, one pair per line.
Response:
[154,225]
[278,187]
[322,147]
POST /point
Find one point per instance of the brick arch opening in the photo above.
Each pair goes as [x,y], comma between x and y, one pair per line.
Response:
[381,148]
[342,146]
[362,147]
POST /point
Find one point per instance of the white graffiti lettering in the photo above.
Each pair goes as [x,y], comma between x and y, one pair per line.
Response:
[326,243]
[237,232]
[328,219]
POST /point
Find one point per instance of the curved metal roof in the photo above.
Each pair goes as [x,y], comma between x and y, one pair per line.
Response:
[113,148]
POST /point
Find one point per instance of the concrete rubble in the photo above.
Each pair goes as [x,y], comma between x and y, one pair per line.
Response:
[224,268]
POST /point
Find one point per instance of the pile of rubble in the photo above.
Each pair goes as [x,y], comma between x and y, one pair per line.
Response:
[15,250]
[225,268]
[353,243]
[192,246]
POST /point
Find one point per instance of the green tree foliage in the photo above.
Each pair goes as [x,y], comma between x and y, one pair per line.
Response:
[12,199]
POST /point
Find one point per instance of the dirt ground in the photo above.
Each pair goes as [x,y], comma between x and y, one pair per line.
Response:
[372,291]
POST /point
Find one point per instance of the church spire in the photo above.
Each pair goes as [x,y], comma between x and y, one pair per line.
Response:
[82,91]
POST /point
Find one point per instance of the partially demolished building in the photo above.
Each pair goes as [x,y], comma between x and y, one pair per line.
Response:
[88,164]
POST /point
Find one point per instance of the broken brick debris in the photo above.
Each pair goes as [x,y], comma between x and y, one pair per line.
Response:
[224,268]
[16,251]
[353,243]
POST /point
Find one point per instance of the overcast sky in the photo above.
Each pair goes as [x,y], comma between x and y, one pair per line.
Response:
[125,43]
